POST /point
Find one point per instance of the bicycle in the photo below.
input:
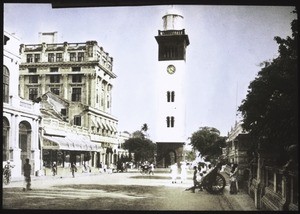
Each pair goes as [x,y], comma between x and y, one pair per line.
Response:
[6,176]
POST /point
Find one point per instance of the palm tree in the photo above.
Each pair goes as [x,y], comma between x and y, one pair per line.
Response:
[144,129]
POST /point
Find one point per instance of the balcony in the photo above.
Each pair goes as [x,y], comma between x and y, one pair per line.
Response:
[171,32]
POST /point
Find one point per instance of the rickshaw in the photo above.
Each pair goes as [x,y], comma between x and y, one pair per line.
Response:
[213,182]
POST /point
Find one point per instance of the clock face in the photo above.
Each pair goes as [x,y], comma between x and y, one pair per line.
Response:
[171,69]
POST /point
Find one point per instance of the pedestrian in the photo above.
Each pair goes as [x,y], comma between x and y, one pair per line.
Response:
[54,169]
[183,173]
[151,170]
[233,179]
[73,169]
[174,170]
[100,167]
[27,172]
[195,181]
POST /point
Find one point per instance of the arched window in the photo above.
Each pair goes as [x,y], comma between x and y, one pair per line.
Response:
[170,96]
[5,84]
[170,121]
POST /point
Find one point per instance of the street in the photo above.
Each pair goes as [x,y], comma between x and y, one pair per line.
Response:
[118,191]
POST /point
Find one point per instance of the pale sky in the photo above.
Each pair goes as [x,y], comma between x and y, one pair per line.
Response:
[227,44]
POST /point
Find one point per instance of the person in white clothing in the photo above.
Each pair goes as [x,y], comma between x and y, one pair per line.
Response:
[174,170]
[183,173]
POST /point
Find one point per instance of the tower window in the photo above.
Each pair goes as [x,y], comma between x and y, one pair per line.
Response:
[170,96]
[170,121]
[171,52]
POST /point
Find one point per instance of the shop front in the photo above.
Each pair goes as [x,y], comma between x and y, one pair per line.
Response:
[62,150]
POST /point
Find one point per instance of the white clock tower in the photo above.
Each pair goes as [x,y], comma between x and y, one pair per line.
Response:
[170,134]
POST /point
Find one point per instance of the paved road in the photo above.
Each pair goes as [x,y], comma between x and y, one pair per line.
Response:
[118,191]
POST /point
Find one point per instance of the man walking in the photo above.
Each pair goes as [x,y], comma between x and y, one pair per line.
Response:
[27,172]
[73,169]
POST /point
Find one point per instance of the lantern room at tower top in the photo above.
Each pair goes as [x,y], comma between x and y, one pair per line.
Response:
[173,20]
[172,40]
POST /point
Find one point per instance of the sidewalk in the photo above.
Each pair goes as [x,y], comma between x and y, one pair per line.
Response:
[242,199]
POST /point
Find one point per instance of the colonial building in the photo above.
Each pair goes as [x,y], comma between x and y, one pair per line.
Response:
[21,117]
[172,43]
[238,144]
[81,76]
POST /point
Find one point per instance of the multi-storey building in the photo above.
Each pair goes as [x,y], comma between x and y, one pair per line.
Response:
[81,75]
[21,117]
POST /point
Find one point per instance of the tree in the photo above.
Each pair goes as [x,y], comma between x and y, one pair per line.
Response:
[143,148]
[208,142]
[270,110]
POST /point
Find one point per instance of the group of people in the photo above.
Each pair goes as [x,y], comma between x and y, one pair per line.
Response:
[200,170]
[27,172]
[174,172]
[203,169]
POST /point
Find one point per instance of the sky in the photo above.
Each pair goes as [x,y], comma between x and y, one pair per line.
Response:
[227,44]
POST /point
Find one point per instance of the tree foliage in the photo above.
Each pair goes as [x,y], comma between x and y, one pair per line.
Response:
[142,147]
[208,142]
[270,109]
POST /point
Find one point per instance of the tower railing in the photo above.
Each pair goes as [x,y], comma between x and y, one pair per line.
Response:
[171,32]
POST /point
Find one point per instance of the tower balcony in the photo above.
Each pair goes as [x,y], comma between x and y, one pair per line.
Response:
[171,32]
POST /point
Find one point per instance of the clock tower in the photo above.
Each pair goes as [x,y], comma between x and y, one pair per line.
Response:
[170,119]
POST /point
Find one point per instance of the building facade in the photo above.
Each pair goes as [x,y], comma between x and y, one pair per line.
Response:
[81,77]
[172,43]
[21,117]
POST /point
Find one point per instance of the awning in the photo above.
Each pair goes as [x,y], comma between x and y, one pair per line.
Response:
[108,126]
[114,127]
[71,141]
[94,122]
[100,124]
